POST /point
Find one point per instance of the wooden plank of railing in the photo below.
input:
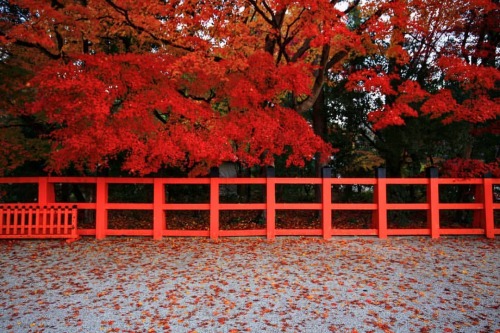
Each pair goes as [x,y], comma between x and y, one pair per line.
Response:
[42,221]
[101,220]
[158,212]
[214,208]
[433,201]
[33,221]
[271,208]
[30,221]
[489,213]
[326,200]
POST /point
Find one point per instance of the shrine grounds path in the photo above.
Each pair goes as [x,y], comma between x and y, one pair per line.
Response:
[412,284]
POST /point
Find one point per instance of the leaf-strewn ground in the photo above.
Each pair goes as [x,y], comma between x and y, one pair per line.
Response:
[251,285]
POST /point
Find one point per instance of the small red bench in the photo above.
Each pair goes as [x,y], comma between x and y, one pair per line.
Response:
[35,221]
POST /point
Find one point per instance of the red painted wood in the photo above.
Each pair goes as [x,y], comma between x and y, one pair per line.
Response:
[381,212]
[488,213]
[46,191]
[354,181]
[407,181]
[101,220]
[129,232]
[298,232]
[326,212]
[214,208]
[19,180]
[186,233]
[460,181]
[433,212]
[298,181]
[461,206]
[242,181]
[188,181]
[159,223]
[271,208]
[35,221]
[354,232]
[462,231]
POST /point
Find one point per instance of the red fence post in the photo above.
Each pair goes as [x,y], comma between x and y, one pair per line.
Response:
[214,203]
[381,201]
[46,192]
[101,214]
[74,222]
[433,200]
[489,218]
[270,203]
[158,213]
[326,200]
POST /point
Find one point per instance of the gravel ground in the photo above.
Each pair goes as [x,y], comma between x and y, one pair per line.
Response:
[251,285]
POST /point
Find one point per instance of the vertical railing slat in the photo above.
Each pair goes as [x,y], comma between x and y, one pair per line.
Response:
[74,215]
[214,208]
[30,221]
[489,213]
[59,221]
[23,221]
[326,200]
[65,220]
[51,228]
[15,221]
[7,218]
[101,219]
[44,220]
[158,213]
[380,196]
[433,222]
[270,204]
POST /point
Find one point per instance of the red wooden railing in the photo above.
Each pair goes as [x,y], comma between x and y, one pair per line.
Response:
[484,206]
[35,221]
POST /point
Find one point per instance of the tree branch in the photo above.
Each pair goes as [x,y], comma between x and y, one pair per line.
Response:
[141,29]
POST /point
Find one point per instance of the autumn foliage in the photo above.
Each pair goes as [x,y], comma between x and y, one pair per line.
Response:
[192,84]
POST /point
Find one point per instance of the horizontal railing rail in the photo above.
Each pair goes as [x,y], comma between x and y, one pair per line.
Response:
[483,208]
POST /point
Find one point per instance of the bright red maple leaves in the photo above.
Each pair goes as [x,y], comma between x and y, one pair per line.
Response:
[192,85]
[172,111]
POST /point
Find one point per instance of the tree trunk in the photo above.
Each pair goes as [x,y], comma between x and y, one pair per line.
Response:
[320,121]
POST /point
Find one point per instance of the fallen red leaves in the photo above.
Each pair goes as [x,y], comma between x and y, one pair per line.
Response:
[250,220]
[250,284]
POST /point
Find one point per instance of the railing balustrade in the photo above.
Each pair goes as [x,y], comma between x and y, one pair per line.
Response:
[484,206]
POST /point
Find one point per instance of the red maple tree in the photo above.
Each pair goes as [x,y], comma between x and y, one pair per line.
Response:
[192,84]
